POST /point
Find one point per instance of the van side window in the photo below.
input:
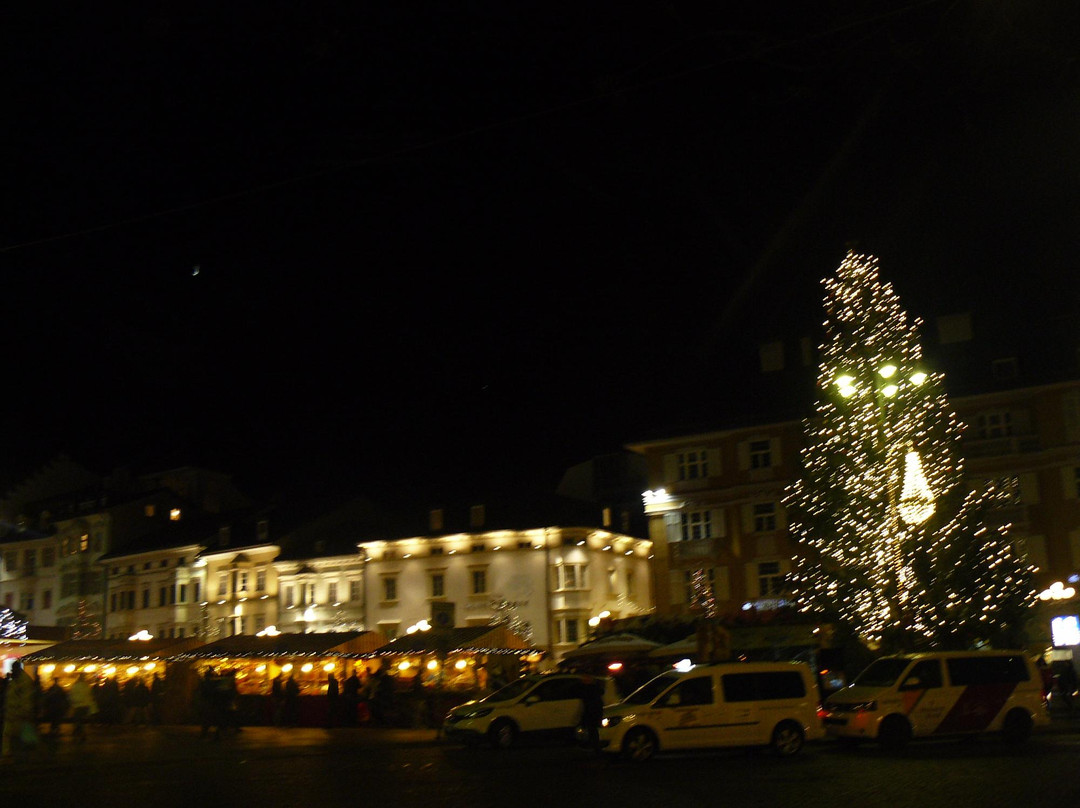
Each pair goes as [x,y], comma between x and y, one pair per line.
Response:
[689,693]
[558,690]
[923,675]
[988,670]
[763,686]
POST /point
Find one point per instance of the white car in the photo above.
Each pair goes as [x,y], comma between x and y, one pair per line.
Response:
[771,704]
[537,705]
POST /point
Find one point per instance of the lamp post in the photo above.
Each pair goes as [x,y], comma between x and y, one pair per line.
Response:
[910,501]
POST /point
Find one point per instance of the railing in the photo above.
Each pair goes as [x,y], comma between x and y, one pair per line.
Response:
[697,548]
[996,447]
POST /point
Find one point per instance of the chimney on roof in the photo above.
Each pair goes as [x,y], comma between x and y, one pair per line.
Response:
[435,520]
[224,534]
[476,516]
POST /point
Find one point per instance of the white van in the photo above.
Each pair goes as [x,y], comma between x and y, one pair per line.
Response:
[938,694]
[542,705]
[727,704]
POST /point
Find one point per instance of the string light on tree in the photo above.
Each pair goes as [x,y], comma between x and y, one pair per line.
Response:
[890,543]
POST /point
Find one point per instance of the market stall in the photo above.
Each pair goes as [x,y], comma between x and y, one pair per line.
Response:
[255,661]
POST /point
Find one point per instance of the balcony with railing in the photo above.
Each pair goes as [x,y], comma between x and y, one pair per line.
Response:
[998,447]
[694,549]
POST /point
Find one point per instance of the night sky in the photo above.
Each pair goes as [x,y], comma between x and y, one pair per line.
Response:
[421,250]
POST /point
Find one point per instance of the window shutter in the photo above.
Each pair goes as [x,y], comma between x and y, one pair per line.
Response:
[744,455]
[716,520]
[1029,488]
[673,526]
[712,457]
[753,587]
[1074,548]
[722,583]
[1035,549]
[671,469]
[1068,481]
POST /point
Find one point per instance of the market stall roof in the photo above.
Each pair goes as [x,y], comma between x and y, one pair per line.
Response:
[613,644]
[468,639]
[688,646]
[112,650]
[328,644]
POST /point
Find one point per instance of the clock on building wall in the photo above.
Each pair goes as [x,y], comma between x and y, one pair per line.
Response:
[442,614]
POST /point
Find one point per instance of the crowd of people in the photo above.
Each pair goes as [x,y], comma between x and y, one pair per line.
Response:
[27,705]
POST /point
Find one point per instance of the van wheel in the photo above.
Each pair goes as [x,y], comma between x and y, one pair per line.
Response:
[787,739]
[639,745]
[1016,728]
[503,734]
[894,733]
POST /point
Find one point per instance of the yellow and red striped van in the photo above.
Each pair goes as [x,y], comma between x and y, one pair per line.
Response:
[939,694]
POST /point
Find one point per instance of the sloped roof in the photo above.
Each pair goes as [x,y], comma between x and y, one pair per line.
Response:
[477,639]
[328,644]
[112,650]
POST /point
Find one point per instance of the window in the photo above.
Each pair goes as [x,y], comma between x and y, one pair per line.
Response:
[763,686]
[923,675]
[29,561]
[770,579]
[354,590]
[174,515]
[148,510]
[48,556]
[986,670]
[223,584]
[26,601]
[163,596]
[764,517]
[389,584]
[479,547]
[289,602]
[692,464]
[571,576]
[569,630]
[11,561]
[241,581]
[438,582]
[196,593]
[760,454]
[183,593]
[146,598]
[695,525]
[9,601]
[479,582]
[436,551]
[84,542]
[331,592]
[993,424]
[689,693]
[46,599]
[260,580]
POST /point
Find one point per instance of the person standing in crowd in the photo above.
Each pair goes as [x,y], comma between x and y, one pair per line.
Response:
[351,698]
[82,705]
[292,702]
[592,710]
[20,720]
[54,708]
[332,706]
[277,700]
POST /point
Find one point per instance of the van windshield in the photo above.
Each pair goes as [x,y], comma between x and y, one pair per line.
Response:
[651,689]
[512,690]
[882,673]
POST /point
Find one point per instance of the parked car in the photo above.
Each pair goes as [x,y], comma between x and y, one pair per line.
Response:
[771,704]
[939,694]
[536,706]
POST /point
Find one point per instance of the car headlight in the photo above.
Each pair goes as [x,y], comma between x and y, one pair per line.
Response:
[611,721]
[480,713]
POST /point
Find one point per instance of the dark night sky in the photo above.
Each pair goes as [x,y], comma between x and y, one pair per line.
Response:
[442,246]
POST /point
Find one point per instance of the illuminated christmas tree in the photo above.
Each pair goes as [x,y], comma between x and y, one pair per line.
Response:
[703,601]
[891,544]
[86,625]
